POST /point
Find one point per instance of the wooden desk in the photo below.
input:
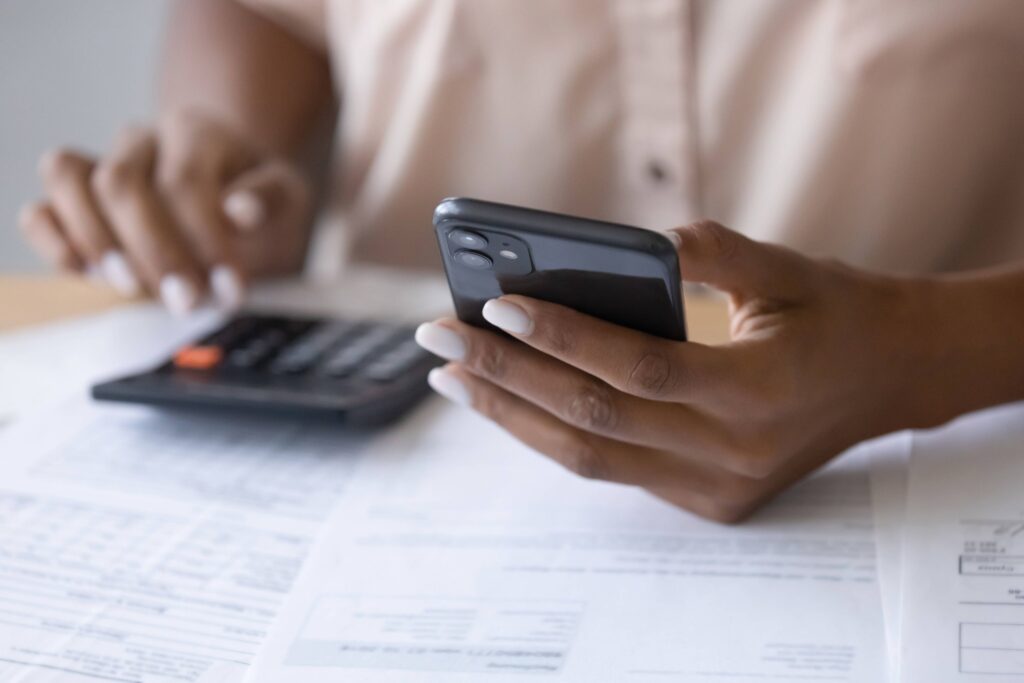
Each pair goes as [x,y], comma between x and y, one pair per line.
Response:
[32,300]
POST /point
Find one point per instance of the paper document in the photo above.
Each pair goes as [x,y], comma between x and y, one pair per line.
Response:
[458,553]
[145,546]
[963,613]
[889,460]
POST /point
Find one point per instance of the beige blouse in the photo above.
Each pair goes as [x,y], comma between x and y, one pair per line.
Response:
[887,133]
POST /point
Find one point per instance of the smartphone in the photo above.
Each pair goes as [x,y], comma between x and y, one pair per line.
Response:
[624,275]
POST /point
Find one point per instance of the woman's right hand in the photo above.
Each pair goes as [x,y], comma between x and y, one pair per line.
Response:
[181,210]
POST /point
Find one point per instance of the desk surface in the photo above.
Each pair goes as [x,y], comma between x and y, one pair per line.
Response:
[27,300]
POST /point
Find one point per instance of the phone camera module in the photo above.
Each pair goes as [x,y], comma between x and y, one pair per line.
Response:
[467,239]
[508,254]
[474,260]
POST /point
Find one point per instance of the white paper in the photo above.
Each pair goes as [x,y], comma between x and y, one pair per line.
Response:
[144,546]
[458,553]
[963,610]
[889,462]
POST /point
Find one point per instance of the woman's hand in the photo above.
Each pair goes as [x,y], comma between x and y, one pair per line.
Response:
[179,210]
[822,357]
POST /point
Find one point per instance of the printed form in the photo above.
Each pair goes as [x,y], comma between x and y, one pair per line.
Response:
[153,547]
[457,552]
[963,610]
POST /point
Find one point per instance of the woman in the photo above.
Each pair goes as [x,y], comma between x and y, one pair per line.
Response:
[888,139]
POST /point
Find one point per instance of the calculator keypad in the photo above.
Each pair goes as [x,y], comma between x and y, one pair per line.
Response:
[336,349]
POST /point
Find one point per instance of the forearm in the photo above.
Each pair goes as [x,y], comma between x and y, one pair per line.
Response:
[265,83]
[972,332]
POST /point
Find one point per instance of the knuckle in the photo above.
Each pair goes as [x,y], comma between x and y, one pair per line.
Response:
[716,240]
[183,178]
[59,163]
[558,337]
[115,178]
[491,360]
[651,376]
[581,457]
[592,407]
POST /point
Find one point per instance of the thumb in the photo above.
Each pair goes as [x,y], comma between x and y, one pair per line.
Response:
[269,194]
[714,255]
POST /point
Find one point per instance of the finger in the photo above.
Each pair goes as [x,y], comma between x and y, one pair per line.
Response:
[633,362]
[66,176]
[272,193]
[191,183]
[715,255]
[589,455]
[573,396]
[124,186]
[41,227]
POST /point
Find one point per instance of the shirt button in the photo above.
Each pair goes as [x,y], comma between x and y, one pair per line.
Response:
[656,171]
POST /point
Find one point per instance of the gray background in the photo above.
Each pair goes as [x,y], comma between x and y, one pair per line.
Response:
[71,72]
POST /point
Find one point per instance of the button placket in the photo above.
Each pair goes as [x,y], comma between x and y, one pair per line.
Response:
[658,134]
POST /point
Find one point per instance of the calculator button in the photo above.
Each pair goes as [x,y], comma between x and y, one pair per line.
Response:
[198,357]
[348,359]
[395,362]
[306,351]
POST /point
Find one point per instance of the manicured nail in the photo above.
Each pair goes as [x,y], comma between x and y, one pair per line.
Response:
[227,287]
[118,273]
[245,209]
[178,294]
[507,316]
[449,386]
[441,341]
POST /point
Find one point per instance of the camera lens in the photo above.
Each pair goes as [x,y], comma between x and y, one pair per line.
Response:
[465,238]
[474,259]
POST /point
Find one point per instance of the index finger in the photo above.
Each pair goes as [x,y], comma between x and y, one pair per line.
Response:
[191,179]
[631,361]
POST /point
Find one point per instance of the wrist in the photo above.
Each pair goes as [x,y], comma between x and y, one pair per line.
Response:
[966,334]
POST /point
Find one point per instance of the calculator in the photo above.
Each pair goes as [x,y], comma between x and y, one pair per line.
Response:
[363,372]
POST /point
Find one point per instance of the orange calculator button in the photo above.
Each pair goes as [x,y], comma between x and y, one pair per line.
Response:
[198,357]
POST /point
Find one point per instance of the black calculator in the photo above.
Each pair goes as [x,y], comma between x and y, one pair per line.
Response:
[364,372]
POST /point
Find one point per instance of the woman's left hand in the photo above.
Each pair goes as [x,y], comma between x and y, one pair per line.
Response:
[822,357]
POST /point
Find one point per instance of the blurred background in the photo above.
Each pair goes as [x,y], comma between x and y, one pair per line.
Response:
[72,72]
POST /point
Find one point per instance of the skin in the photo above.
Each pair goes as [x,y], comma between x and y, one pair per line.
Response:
[822,357]
[220,182]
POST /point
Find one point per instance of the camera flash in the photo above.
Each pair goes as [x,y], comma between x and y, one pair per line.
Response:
[508,254]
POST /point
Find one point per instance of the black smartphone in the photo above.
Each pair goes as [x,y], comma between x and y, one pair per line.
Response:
[624,275]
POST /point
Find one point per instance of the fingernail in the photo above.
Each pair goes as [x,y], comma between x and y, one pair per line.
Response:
[441,341]
[449,386]
[118,273]
[507,316]
[674,238]
[178,294]
[245,209]
[227,286]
